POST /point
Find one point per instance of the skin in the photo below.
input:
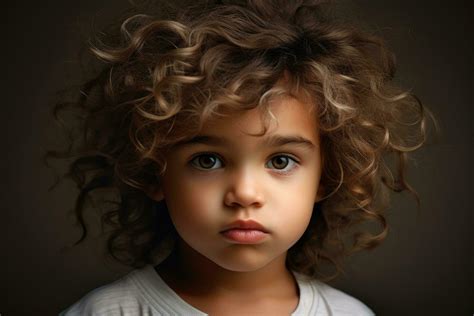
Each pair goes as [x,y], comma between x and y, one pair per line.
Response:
[241,179]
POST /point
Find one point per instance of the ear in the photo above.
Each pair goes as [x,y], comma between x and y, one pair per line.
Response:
[321,190]
[155,192]
[320,194]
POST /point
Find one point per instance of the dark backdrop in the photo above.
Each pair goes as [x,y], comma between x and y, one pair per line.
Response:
[423,268]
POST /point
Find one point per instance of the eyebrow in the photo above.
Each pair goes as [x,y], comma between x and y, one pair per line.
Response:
[272,141]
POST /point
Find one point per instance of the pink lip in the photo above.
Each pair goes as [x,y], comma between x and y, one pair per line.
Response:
[244,236]
[246,225]
[245,232]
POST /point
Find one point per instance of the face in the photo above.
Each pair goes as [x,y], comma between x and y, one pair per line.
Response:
[226,175]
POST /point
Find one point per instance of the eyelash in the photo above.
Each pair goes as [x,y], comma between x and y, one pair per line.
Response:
[295,161]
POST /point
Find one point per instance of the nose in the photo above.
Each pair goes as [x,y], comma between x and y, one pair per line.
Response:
[244,190]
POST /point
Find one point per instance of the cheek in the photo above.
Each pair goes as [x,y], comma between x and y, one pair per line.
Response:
[297,207]
[192,203]
[298,216]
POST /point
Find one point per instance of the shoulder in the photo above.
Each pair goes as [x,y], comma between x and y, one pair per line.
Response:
[342,303]
[335,302]
[118,297]
[140,292]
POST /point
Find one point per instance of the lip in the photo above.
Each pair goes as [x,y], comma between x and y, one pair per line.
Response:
[246,225]
[245,232]
[244,236]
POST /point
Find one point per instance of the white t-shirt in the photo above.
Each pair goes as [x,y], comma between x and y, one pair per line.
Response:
[143,292]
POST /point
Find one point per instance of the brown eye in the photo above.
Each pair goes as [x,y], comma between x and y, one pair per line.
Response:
[283,164]
[280,162]
[204,161]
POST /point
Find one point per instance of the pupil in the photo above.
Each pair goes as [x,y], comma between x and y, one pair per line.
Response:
[280,160]
[206,160]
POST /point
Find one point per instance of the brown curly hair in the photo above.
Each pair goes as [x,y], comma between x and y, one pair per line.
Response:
[163,75]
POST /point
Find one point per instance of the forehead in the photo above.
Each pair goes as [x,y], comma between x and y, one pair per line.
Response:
[287,116]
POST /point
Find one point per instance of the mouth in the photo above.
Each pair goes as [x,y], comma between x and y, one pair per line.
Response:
[245,232]
[245,225]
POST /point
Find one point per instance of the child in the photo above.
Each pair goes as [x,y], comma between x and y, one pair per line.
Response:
[240,142]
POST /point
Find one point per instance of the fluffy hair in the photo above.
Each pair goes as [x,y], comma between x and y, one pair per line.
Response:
[162,77]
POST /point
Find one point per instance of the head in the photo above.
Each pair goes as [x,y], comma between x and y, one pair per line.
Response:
[245,72]
[231,172]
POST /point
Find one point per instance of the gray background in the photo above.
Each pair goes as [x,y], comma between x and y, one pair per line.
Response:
[423,268]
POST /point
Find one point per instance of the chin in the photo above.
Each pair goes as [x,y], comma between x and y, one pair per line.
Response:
[242,262]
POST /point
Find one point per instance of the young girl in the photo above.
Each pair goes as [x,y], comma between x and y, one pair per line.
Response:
[241,144]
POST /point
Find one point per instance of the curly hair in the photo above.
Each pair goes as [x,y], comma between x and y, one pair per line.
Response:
[161,78]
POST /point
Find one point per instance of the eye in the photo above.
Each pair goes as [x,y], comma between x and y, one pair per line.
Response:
[280,162]
[205,161]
